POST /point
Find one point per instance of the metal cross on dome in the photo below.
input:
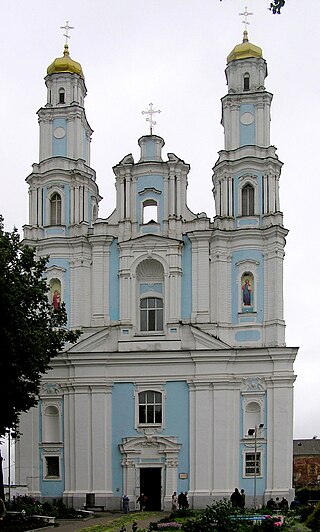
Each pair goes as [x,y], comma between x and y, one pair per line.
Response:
[245,14]
[67,28]
[151,112]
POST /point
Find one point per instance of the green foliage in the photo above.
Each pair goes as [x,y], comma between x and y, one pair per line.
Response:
[313,521]
[31,506]
[305,494]
[28,505]
[217,517]
[275,6]
[31,333]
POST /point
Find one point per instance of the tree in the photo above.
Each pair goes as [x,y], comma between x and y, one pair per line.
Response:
[275,6]
[31,332]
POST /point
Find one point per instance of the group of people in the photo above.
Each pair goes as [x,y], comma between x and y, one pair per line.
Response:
[238,499]
[141,500]
[179,501]
[277,504]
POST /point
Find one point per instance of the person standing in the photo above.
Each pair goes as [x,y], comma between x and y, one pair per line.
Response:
[243,499]
[2,509]
[142,499]
[174,502]
[181,500]
[236,499]
[186,500]
[125,503]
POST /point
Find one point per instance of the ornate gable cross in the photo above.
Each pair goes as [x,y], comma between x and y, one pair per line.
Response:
[245,14]
[151,112]
[67,28]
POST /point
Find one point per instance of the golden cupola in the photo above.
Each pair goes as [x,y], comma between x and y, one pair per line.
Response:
[245,50]
[65,64]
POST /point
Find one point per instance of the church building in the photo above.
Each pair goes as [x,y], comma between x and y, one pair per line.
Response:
[181,380]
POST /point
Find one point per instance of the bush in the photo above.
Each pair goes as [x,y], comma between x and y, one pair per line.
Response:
[313,520]
[216,517]
[305,494]
[27,504]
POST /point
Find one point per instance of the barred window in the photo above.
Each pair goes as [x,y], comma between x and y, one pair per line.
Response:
[150,407]
[252,463]
[52,467]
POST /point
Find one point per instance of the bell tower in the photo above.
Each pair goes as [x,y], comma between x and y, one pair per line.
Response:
[246,175]
[63,195]
[248,219]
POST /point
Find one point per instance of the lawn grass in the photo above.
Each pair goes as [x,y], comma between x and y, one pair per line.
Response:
[126,519]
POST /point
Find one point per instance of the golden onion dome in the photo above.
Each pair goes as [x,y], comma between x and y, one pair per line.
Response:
[65,64]
[244,50]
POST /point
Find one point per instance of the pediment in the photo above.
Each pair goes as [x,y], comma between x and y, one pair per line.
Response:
[93,342]
[162,443]
[204,340]
[150,239]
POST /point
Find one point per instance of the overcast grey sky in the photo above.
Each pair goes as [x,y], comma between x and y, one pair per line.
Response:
[173,53]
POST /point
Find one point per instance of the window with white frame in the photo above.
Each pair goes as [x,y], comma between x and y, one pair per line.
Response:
[252,465]
[150,407]
[52,467]
[55,209]
[151,314]
[247,200]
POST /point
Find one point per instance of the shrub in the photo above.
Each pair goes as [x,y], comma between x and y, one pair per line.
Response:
[215,517]
[27,504]
[305,494]
[313,520]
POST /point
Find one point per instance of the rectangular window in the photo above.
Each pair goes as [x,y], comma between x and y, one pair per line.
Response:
[252,462]
[151,314]
[52,466]
[150,407]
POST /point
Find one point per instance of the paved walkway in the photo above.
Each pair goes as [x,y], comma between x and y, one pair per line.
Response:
[104,517]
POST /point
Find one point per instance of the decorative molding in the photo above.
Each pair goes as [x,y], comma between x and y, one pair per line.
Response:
[253,384]
[50,388]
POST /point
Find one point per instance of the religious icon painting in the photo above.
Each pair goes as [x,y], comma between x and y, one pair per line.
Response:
[55,294]
[247,292]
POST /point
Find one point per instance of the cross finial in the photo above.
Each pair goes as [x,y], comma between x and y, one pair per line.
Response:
[151,112]
[245,14]
[67,28]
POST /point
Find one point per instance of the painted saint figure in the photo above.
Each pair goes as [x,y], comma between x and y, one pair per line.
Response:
[246,293]
[56,300]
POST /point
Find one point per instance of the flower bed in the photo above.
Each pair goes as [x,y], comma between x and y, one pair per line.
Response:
[172,525]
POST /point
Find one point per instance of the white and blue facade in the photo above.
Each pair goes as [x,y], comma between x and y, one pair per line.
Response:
[183,348]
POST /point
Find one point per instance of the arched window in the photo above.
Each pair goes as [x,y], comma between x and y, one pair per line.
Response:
[62,96]
[247,200]
[247,291]
[151,314]
[150,407]
[150,211]
[55,209]
[246,82]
